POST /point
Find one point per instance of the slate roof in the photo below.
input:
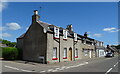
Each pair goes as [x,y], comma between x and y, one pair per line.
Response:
[111,48]
[50,29]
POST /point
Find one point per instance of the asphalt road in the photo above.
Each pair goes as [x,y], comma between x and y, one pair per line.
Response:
[95,66]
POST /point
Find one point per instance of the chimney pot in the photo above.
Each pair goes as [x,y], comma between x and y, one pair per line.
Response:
[69,27]
[35,17]
[35,12]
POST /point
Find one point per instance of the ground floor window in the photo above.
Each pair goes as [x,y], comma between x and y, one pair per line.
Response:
[76,53]
[65,53]
[101,53]
[85,52]
[54,53]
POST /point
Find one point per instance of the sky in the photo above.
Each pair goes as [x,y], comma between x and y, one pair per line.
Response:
[99,19]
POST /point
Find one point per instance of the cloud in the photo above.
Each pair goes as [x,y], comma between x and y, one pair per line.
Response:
[3,5]
[13,26]
[97,35]
[90,34]
[2,28]
[5,35]
[112,29]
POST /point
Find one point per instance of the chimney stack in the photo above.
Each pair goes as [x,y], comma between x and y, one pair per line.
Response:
[69,27]
[85,35]
[35,17]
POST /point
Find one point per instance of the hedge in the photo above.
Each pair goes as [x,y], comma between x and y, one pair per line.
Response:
[9,53]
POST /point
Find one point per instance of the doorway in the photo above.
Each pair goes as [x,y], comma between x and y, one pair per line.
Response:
[70,54]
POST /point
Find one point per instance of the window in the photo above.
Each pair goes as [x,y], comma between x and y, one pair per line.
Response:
[76,53]
[101,43]
[54,53]
[75,37]
[97,43]
[84,42]
[65,53]
[56,32]
[85,52]
[64,34]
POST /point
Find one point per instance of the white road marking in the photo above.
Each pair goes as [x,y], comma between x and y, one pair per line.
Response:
[54,70]
[67,67]
[86,63]
[57,68]
[26,70]
[42,71]
[11,67]
[108,70]
[61,69]
[17,69]
[115,64]
[50,70]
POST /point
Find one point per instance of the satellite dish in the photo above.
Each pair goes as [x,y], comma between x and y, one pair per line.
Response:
[44,30]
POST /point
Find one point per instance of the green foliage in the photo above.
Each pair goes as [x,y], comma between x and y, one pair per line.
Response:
[9,53]
[118,47]
[8,43]
[19,53]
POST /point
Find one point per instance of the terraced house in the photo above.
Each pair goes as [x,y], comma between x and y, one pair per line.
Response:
[47,43]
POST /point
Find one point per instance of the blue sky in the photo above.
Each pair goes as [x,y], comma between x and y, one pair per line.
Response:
[99,19]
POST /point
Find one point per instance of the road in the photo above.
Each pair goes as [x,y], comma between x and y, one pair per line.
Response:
[99,65]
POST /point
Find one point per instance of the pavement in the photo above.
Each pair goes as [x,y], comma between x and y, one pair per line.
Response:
[103,64]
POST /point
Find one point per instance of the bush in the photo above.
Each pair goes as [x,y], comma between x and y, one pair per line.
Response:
[19,53]
[9,53]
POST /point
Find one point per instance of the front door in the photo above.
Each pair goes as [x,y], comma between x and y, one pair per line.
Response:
[70,54]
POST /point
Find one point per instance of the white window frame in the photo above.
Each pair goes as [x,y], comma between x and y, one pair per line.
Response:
[76,53]
[56,32]
[85,52]
[75,37]
[54,52]
[64,34]
[65,53]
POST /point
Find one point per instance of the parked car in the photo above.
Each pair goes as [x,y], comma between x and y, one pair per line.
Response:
[109,54]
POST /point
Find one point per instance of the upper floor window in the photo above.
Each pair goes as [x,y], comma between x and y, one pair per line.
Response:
[64,34]
[56,32]
[75,37]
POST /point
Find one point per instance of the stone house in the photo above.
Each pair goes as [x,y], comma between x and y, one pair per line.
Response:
[47,43]
[111,49]
[100,49]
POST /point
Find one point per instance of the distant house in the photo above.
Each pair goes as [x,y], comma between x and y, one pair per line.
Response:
[3,45]
[47,43]
[111,49]
[100,49]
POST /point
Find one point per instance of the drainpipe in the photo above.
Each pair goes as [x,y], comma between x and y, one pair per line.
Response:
[73,50]
[59,49]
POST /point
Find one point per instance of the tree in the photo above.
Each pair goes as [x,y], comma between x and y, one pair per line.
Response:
[9,43]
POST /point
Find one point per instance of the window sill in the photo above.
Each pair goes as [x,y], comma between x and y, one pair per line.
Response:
[56,38]
[54,58]
[65,58]
[65,39]
[76,57]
